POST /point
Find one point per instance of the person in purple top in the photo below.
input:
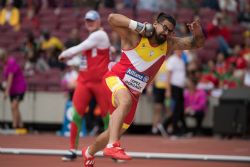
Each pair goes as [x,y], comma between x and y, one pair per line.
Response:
[15,86]
[195,101]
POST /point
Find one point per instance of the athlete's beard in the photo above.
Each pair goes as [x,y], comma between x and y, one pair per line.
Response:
[160,39]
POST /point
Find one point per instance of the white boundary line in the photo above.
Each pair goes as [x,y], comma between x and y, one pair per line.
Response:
[143,155]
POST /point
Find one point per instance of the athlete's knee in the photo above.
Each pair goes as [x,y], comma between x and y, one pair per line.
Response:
[79,108]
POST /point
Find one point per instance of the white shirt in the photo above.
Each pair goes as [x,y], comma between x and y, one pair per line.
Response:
[98,39]
[247,78]
[177,67]
[230,5]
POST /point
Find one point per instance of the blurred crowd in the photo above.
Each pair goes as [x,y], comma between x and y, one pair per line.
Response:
[36,31]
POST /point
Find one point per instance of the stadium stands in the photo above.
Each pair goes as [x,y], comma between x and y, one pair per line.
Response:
[60,23]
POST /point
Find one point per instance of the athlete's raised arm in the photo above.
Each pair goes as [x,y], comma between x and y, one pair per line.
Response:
[193,42]
[96,38]
[89,43]
[128,29]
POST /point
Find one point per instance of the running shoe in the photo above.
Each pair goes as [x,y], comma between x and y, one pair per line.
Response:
[116,152]
[88,161]
[70,156]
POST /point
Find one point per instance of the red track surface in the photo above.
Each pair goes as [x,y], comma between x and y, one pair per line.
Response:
[131,143]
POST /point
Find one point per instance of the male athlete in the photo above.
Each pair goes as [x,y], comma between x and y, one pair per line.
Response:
[94,64]
[144,49]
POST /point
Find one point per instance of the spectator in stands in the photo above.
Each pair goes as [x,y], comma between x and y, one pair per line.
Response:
[226,20]
[245,53]
[34,61]
[195,101]
[244,16]
[228,5]
[209,80]
[246,80]
[228,79]
[212,4]
[10,16]
[188,56]
[242,4]
[109,4]
[49,41]
[52,46]
[225,72]
[33,4]
[45,4]
[217,30]
[69,79]
[2,4]
[128,3]
[190,4]
[15,86]
[31,19]
[149,5]
[193,69]
[86,4]
[221,65]
[74,38]
[240,62]
[167,5]
[155,6]
[17,3]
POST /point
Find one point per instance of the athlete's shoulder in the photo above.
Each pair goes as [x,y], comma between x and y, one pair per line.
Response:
[99,32]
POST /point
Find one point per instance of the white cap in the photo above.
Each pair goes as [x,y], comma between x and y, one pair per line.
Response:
[92,15]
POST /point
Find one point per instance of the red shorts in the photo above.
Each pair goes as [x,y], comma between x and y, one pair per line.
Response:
[111,84]
[84,92]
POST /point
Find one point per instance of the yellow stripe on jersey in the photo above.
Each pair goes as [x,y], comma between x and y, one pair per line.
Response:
[149,53]
[114,84]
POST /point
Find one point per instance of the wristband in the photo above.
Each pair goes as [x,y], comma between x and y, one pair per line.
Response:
[136,26]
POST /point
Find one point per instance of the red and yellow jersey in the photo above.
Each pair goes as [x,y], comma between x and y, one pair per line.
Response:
[138,66]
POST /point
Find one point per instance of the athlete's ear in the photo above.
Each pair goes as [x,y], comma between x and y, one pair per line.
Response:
[155,24]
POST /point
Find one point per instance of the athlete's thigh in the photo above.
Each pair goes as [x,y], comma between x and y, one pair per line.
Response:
[81,98]
[111,85]
[115,85]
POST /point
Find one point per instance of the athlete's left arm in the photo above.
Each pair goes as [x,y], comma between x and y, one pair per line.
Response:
[195,41]
[89,43]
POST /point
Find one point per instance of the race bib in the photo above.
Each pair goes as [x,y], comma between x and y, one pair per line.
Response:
[83,63]
[135,80]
